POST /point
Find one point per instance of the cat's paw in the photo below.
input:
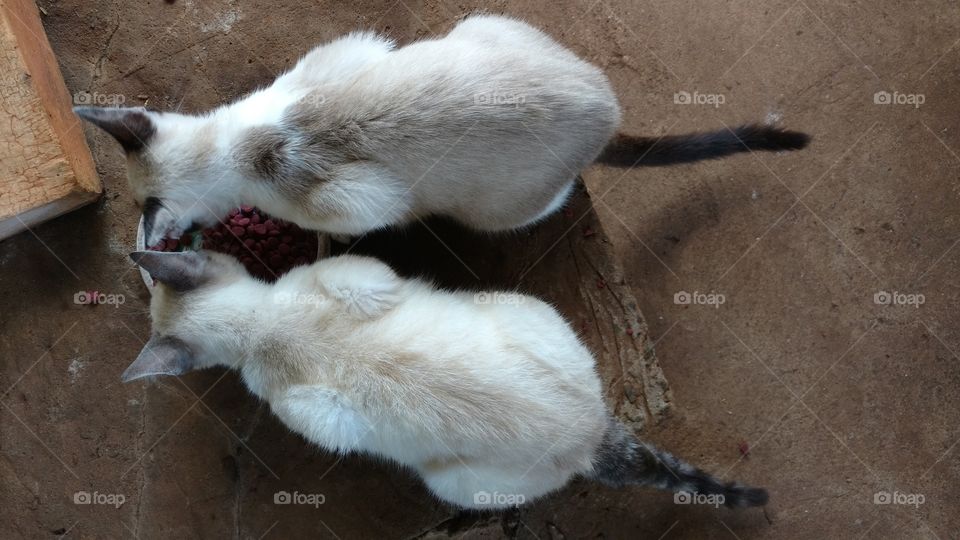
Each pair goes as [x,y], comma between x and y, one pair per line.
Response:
[369,302]
[364,286]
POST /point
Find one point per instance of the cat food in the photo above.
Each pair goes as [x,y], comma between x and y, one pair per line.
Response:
[267,247]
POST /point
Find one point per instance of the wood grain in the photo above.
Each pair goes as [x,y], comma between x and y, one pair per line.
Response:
[45,165]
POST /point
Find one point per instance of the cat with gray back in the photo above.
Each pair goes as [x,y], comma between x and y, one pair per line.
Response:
[489,125]
[492,404]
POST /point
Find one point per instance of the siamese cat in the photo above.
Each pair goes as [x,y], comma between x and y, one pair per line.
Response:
[489,125]
[493,403]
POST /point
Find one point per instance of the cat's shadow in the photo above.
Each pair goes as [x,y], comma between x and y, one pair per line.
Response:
[456,257]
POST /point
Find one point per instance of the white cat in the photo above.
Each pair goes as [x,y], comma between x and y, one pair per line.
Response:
[490,398]
[489,124]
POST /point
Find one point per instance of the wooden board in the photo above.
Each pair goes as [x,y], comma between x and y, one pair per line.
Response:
[566,261]
[45,165]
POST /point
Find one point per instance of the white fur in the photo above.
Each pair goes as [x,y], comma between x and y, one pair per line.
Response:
[496,119]
[477,393]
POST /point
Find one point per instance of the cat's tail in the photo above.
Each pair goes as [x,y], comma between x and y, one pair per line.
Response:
[630,151]
[621,459]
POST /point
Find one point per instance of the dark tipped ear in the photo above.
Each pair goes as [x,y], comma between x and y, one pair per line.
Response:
[160,356]
[182,271]
[157,220]
[130,126]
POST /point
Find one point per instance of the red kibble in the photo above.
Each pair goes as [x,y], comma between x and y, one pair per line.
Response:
[266,247]
[743,448]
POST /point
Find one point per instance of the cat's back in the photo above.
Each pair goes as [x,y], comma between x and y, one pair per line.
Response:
[488,334]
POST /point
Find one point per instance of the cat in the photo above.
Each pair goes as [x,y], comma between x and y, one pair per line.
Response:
[489,125]
[491,403]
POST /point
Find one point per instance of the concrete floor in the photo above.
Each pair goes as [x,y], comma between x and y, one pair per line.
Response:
[838,397]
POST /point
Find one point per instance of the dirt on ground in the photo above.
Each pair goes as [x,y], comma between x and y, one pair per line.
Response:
[800,304]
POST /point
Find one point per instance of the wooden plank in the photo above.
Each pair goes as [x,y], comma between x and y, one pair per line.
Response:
[45,165]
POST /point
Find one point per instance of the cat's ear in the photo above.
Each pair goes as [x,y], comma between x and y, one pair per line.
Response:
[158,221]
[160,356]
[132,127]
[183,271]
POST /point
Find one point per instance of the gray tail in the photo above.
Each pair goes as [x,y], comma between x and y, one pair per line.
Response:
[629,151]
[621,460]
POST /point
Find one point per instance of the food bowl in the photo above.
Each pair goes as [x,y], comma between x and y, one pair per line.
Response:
[267,247]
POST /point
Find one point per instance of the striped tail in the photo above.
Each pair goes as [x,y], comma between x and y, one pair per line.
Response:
[622,460]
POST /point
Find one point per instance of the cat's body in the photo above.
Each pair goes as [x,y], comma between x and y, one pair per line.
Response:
[479,395]
[489,124]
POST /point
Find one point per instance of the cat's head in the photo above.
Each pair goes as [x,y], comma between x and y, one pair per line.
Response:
[175,171]
[190,329]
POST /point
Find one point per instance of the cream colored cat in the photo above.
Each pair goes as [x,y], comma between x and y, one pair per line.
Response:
[490,398]
[489,125]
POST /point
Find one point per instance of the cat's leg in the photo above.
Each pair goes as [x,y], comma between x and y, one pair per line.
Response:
[322,416]
[367,287]
[485,486]
[345,239]
[358,198]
